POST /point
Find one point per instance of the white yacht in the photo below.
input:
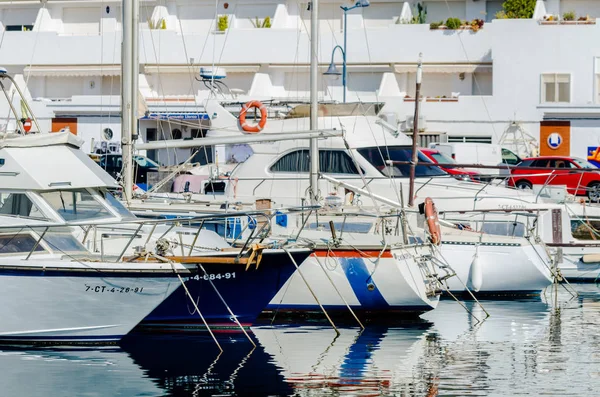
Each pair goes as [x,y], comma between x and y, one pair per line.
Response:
[54,290]
[360,161]
[99,227]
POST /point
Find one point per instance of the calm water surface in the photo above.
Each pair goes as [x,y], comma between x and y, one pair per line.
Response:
[526,347]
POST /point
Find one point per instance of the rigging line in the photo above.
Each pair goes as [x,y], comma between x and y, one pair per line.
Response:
[158,75]
[196,106]
[462,44]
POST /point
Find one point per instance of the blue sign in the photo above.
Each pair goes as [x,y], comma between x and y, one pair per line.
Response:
[176,116]
[554,140]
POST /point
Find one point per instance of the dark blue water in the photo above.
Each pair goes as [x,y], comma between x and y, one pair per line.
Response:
[526,347]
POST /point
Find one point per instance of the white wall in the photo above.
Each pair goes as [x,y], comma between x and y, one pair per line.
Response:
[196,18]
[442,10]
[19,16]
[581,7]
[90,129]
[82,20]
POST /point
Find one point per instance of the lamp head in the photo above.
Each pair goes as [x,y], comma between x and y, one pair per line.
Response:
[362,3]
[332,70]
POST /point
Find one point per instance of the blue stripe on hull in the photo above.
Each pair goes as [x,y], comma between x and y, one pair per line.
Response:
[360,280]
[247,294]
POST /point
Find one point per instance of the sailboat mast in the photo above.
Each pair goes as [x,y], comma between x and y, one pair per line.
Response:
[314,100]
[129,83]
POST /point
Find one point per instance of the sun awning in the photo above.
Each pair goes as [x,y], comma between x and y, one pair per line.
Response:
[156,69]
[445,68]
[73,70]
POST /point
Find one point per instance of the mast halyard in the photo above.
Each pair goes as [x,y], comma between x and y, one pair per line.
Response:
[314,101]
[129,88]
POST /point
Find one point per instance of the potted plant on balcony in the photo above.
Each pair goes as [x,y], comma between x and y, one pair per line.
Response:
[550,19]
[586,20]
[222,23]
[158,24]
[453,23]
[476,24]
[569,18]
[264,24]
[437,25]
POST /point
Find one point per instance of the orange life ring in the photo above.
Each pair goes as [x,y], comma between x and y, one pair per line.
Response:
[433,221]
[253,129]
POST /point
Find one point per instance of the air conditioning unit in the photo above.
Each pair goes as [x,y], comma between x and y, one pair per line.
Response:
[410,125]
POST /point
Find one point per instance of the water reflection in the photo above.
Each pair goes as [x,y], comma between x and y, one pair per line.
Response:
[527,347]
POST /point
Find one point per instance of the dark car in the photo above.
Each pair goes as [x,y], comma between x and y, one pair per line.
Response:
[579,176]
[113,164]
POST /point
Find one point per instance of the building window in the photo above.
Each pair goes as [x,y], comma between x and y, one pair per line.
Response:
[107,134]
[177,133]
[470,139]
[556,87]
[19,28]
[330,162]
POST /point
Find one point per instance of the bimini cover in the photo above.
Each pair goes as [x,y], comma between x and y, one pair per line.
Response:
[49,162]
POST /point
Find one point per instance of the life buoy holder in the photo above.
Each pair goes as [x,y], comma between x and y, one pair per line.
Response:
[255,128]
[433,222]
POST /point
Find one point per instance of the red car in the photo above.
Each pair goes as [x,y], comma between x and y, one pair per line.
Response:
[459,173]
[567,173]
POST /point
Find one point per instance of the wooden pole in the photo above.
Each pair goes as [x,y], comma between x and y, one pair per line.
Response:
[413,165]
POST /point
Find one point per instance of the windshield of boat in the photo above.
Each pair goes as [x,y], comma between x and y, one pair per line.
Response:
[116,205]
[19,205]
[583,163]
[146,162]
[379,156]
[76,205]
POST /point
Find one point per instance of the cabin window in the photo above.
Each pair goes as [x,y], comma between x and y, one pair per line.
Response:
[63,242]
[18,243]
[350,227]
[556,88]
[76,205]
[379,157]
[330,162]
[18,204]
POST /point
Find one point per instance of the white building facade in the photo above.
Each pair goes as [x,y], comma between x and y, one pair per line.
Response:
[511,79]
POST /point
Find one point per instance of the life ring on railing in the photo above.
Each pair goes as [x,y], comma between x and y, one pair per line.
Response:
[433,221]
[256,128]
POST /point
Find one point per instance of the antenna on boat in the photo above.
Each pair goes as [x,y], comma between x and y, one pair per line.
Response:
[413,164]
[314,101]
[129,89]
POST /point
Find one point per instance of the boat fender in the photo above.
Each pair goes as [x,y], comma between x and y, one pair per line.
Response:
[591,258]
[475,273]
[255,128]
[433,222]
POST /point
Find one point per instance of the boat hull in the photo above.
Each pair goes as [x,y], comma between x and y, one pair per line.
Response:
[574,269]
[373,283]
[64,308]
[246,293]
[506,268]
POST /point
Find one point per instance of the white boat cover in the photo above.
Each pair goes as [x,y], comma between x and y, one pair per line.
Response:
[49,162]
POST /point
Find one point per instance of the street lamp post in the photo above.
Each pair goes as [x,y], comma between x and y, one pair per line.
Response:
[333,70]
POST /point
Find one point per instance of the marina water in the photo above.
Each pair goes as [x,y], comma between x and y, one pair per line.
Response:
[525,347]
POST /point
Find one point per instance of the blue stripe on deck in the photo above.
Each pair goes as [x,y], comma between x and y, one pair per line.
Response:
[359,278]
